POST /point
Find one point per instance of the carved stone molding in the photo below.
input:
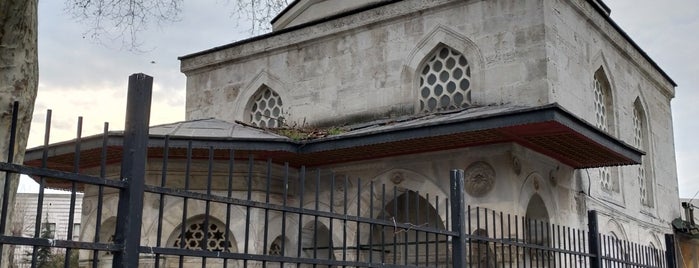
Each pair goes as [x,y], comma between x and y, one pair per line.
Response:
[553,176]
[516,165]
[397,177]
[479,179]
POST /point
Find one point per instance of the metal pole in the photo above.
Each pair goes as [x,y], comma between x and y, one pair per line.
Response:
[593,237]
[458,221]
[670,254]
[133,165]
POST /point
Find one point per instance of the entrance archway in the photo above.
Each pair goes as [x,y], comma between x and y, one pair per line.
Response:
[400,245]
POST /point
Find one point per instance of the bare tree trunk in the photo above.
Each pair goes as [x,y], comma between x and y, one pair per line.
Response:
[19,75]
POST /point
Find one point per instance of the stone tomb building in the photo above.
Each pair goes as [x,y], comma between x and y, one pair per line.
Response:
[548,106]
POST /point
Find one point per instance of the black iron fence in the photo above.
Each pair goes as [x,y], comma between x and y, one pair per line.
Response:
[194,203]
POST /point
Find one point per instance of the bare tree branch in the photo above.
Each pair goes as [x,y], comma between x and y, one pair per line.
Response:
[259,13]
[123,20]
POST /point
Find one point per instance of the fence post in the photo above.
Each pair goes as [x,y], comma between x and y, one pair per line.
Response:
[458,221]
[594,244]
[133,164]
[670,254]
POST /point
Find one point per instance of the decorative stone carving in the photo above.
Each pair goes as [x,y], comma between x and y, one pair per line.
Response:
[397,178]
[553,176]
[516,165]
[479,179]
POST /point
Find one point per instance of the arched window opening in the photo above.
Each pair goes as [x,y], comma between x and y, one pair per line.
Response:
[481,253]
[316,242]
[537,220]
[445,81]
[412,209]
[640,140]
[266,109]
[615,249]
[199,236]
[604,113]
[278,247]
[604,120]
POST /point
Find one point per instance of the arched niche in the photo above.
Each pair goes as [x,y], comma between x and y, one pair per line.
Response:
[439,37]
[535,184]
[411,209]
[317,242]
[537,221]
[263,79]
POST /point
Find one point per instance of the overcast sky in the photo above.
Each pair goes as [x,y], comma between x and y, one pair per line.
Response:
[81,77]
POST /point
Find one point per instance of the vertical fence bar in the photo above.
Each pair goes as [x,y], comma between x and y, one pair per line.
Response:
[73,190]
[42,180]
[670,255]
[593,240]
[130,207]
[229,195]
[458,223]
[161,198]
[100,191]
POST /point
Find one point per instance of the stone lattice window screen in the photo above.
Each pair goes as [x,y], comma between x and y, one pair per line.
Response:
[275,249]
[600,105]
[445,81]
[194,237]
[639,141]
[602,111]
[266,109]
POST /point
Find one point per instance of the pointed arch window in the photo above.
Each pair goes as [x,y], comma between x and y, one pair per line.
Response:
[198,235]
[604,120]
[640,140]
[276,248]
[445,81]
[604,112]
[266,109]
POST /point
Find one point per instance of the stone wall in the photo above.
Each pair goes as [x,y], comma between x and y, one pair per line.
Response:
[580,42]
[323,74]
[367,66]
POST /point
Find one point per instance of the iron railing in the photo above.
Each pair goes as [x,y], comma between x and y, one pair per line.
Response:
[200,203]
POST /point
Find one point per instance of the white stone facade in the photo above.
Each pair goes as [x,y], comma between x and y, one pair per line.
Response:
[367,66]
[375,64]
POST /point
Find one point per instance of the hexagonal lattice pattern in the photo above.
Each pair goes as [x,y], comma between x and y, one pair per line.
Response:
[601,122]
[638,141]
[445,82]
[600,104]
[605,176]
[194,237]
[266,109]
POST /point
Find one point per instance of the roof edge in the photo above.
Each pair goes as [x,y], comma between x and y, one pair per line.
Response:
[286,9]
[289,29]
[609,20]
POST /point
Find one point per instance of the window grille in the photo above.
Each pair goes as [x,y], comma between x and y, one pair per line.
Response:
[602,108]
[266,110]
[639,141]
[276,248]
[194,236]
[600,104]
[445,82]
